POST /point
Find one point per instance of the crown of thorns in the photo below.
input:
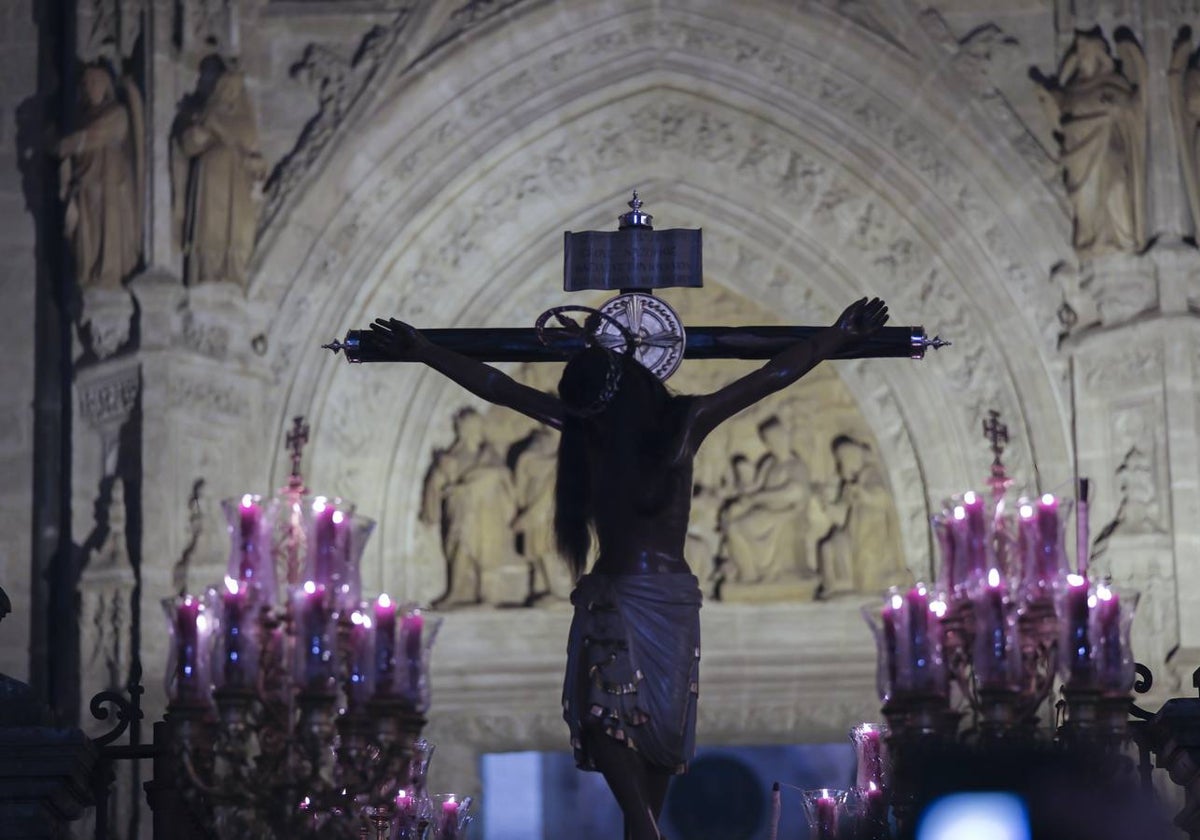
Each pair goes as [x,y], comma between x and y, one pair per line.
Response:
[570,330]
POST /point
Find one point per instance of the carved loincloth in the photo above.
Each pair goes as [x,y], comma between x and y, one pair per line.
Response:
[633,665]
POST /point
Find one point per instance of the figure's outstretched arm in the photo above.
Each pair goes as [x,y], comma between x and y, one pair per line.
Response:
[484,381]
[861,319]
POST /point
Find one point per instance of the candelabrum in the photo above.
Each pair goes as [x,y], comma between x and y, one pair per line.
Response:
[296,708]
[971,659]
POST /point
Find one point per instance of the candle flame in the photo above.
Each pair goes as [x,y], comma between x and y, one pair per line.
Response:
[969,497]
[1092,602]
[318,505]
[938,608]
[1026,511]
[960,512]
[1076,580]
[921,590]
[310,587]
[338,516]
[384,600]
[1104,593]
[1048,499]
[872,786]
[357,618]
[993,577]
[231,585]
[897,602]
[202,623]
[247,501]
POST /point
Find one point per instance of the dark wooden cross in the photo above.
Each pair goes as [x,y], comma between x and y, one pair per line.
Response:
[997,434]
[296,438]
[638,259]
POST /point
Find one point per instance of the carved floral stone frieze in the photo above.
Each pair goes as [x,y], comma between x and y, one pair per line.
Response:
[107,400]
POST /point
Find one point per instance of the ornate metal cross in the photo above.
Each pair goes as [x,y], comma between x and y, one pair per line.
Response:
[297,437]
[997,434]
[634,260]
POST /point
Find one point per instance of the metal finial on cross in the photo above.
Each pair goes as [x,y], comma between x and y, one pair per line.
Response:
[997,434]
[297,437]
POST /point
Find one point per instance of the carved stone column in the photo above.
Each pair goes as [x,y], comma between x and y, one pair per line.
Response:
[202,441]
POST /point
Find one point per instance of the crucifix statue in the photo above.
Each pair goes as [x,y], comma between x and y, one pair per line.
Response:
[624,475]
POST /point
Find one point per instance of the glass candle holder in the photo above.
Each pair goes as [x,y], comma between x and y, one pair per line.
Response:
[871,755]
[250,521]
[1111,620]
[334,539]
[235,656]
[825,810]
[450,818]
[996,655]
[418,630]
[190,624]
[358,659]
[1076,643]
[1041,546]
[315,622]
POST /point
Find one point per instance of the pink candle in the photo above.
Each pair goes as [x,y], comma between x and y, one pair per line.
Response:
[868,744]
[826,819]
[411,628]
[385,645]
[449,819]
[234,632]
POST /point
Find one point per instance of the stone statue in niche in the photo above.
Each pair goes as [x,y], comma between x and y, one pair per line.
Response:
[533,477]
[861,552]
[765,526]
[101,181]
[1183,78]
[1097,107]
[216,167]
[469,493]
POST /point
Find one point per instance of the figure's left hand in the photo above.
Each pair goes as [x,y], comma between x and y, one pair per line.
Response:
[862,318]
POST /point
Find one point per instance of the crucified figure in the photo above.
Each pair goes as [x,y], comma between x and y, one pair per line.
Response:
[624,476]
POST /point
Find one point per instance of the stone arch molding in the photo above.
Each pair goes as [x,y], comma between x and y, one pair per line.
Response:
[815,182]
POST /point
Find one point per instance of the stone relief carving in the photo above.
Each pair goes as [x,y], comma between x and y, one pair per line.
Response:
[208,25]
[469,15]
[339,84]
[100,181]
[1097,108]
[1138,478]
[469,494]
[215,168]
[107,28]
[1183,78]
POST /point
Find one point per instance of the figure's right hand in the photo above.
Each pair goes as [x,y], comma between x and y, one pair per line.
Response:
[404,342]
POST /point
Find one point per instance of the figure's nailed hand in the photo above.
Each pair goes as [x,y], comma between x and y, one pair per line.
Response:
[404,342]
[862,318]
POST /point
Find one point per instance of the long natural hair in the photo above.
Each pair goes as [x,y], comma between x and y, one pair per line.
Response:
[620,414]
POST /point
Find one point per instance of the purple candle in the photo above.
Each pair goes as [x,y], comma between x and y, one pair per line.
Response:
[976,538]
[944,531]
[920,642]
[385,645]
[1108,625]
[359,661]
[868,744]
[233,631]
[1081,528]
[250,521]
[411,627]
[188,674]
[1078,645]
[991,645]
[330,544]
[891,611]
[1049,540]
[449,819]
[315,617]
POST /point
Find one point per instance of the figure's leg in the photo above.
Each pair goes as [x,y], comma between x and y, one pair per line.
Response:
[629,781]
[659,781]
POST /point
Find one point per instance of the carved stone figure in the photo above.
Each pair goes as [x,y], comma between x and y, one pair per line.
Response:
[101,177]
[862,552]
[216,164]
[766,527]
[469,492]
[1184,83]
[1097,108]
[533,475]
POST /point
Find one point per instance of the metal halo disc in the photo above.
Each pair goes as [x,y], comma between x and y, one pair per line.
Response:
[658,335]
